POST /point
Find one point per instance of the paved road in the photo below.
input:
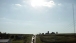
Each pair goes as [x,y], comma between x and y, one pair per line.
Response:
[33,39]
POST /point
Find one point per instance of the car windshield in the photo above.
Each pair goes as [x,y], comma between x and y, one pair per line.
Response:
[38,21]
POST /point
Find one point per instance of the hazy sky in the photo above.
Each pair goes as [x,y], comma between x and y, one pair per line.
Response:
[35,16]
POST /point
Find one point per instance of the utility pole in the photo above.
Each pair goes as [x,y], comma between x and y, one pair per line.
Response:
[73,17]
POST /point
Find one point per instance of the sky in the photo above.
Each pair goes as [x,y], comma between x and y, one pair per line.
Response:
[37,16]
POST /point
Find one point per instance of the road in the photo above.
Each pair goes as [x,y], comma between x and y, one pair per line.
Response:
[33,39]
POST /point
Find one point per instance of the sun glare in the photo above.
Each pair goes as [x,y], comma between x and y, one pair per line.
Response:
[36,3]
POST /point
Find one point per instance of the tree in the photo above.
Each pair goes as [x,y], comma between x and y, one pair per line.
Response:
[12,37]
[0,33]
[16,37]
[42,33]
[53,33]
[7,36]
[39,33]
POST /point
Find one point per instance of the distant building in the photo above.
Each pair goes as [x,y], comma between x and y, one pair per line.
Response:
[5,41]
[48,32]
[56,32]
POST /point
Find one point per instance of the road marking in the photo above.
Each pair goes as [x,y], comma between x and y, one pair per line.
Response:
[33,39]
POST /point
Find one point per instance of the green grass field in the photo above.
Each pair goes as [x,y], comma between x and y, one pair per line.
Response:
[61,38]
[17,41]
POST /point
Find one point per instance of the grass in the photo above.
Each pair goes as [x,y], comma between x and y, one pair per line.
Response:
[38,39]
[56,38]
[17,41]
[27,39]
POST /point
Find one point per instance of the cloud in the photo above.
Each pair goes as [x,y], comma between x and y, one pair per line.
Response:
[3,18]
[18,5]
[16,22]
[59,4]
[49,4]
